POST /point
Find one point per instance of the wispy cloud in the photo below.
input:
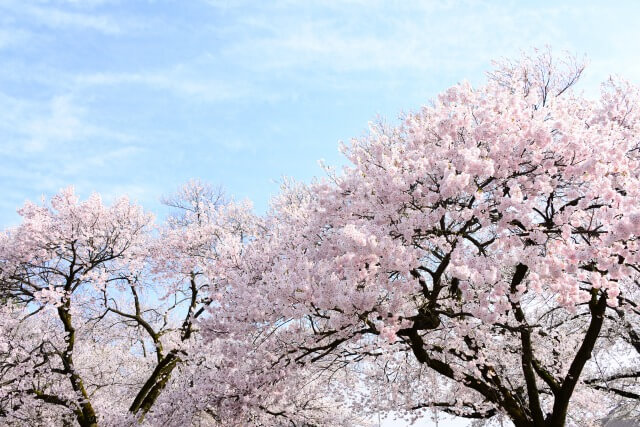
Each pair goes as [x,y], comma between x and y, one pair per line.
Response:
[62,123]
[174,81]
[348,36]
[35,129]
[46,146]
[60,19]
[10,37]
[83,15]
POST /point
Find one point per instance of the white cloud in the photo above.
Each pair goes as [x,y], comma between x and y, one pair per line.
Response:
[100,159]
[135,193]
[43,132]
[37,129]
[13,37]
[184,80]
[56,18]
[348,37]
[49,145]
[77,15]
[61,124]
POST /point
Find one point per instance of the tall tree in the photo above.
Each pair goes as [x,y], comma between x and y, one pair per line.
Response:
[481,258]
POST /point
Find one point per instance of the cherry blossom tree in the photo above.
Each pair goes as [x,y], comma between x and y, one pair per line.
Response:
[481,258]
[98,302]
[232,381]
[100,311]
[53,267]
[182,272]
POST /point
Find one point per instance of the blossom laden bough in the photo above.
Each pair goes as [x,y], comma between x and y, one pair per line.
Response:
[481,258]
[99,302]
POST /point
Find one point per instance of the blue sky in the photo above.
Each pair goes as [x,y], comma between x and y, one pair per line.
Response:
[135,97]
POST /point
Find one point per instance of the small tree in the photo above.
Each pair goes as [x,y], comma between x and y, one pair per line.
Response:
[53,269]
[99,318]
[481,259]
[98,303]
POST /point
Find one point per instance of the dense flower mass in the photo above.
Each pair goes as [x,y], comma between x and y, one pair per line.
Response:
[481,258]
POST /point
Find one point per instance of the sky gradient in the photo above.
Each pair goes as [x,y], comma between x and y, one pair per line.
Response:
[136,97]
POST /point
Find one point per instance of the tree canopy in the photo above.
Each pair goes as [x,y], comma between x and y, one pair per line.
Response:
[480,258]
